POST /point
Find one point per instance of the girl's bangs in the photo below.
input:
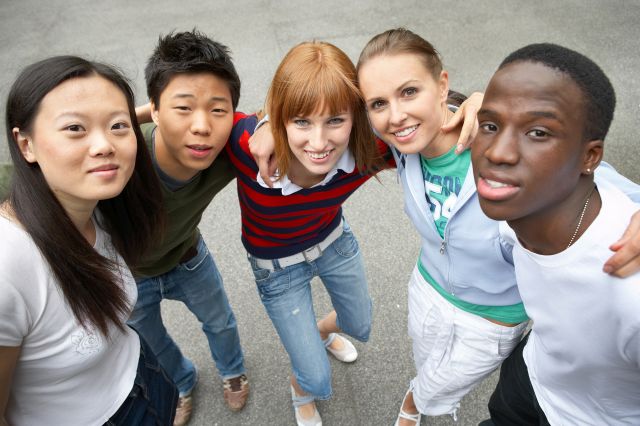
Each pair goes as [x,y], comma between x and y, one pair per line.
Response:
[325,92]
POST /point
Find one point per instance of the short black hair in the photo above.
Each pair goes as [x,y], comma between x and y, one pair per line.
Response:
[595,85]
[189,52]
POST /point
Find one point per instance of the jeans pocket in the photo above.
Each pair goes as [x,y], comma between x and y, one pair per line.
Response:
[346,245]
[508,343]
[197,260]
[272,283]
[422,314]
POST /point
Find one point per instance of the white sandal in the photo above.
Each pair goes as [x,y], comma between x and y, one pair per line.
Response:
[348,353]
[403,415]
[315,420]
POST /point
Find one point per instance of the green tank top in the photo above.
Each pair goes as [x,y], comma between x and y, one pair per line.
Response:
[510,314]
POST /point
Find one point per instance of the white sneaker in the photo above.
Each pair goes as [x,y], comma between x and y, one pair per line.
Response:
[348,353]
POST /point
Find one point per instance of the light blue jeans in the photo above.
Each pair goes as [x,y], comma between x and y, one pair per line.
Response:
[286,295]
[198,284]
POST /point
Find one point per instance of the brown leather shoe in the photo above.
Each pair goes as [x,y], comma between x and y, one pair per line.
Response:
[236,392]
[183,411]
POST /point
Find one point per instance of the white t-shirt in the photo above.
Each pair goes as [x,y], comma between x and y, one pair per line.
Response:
[583,354]
[66,374]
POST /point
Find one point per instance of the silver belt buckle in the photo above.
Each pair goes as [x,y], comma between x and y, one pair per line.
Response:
[312,253]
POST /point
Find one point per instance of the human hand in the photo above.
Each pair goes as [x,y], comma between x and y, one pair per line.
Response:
[626,261]
[467,114]
[261,146]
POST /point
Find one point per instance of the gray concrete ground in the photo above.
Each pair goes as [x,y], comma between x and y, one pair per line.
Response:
[473,37]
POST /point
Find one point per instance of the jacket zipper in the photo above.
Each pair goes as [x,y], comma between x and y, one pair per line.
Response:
[443,249]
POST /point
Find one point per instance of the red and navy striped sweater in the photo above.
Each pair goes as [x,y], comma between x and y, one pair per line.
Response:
[274,225]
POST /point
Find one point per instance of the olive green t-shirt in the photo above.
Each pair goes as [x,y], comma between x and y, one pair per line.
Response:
[184,208]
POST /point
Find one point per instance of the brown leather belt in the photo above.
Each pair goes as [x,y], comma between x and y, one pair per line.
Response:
[189,254]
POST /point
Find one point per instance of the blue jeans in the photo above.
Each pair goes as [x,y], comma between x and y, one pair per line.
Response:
[198,284]
[153,398]
[286,295]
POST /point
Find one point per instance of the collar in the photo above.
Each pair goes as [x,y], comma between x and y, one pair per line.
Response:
[346,163]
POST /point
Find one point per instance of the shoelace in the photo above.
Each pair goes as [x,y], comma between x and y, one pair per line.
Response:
[235,384]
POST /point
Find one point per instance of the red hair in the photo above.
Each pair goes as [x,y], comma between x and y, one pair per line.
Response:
[314,77]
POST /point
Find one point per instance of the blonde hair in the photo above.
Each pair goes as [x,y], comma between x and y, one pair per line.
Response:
[317,76]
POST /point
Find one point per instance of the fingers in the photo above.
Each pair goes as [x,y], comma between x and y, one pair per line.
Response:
[261,146]
[262,161]
[454,121]
[469,130]
[467,115]
[271,170]
[626,260]
[265,165]
[630,265]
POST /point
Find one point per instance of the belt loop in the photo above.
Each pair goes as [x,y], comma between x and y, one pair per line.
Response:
[276,264]
[190,253]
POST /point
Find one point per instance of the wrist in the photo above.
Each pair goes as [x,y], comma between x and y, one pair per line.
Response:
[262,122]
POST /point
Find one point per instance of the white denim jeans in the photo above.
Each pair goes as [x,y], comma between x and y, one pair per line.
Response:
[453,350]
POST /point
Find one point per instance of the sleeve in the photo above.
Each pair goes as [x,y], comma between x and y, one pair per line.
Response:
[237,147]
[386,152]
[607,173]
[14,314]
[147,132]
[243,128]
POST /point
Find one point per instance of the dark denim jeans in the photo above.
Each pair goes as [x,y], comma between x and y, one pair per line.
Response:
[198,284]
[153,398]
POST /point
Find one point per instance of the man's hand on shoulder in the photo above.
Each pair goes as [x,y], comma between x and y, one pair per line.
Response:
[261,146]
[626,261]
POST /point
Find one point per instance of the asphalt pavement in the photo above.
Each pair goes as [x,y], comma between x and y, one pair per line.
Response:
[473,37]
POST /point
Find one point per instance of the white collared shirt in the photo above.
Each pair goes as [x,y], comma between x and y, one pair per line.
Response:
[346,163]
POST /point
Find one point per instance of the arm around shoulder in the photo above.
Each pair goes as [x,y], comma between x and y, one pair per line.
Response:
[626,259]
[262,146]
[606,171]
[143,113]
[467,114]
